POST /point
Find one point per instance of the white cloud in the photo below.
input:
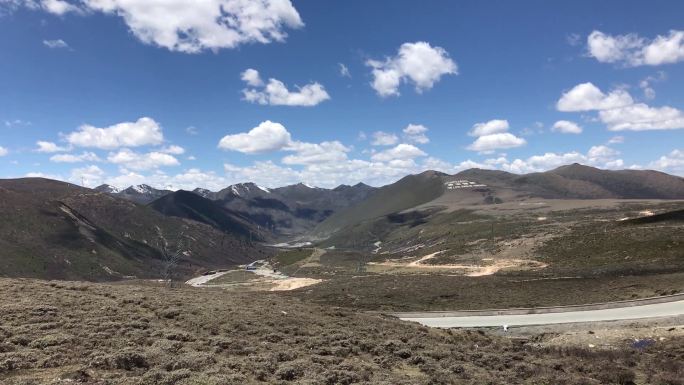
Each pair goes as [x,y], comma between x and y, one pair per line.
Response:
[671,163]
[633,50]
[402,151]
[72,158]
[491,127]
[488,143]
[616,139]
[3,151]
[587,97]
[381,138]
[266,137]
[144,131]
[566,127]
[618,111]
[329,174]
[43,175]
[58,43]
[344,71]
[610,49]
[640,117]
[192,130]
[313,153]
[275,93]
[252,77]
[186,180]
[191,26]
[416,133]
[137,161]
[602,152]
[597,156]
[89,176]
[418,63]
[646,84]
[16,122]
[173,150]
[49,147]
[493,135]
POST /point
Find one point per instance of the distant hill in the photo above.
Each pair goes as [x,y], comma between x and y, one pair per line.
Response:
[406,193]
[56,230]
[189,205]
[285,212]
[575,181]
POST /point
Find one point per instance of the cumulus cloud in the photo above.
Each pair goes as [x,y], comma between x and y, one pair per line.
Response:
[671,163]
[417,63]
[275,93]
[329,174]
[173,150]
[641,117]
[633,50]
[416,133]
[316,153]
[488,143]
[493,135]
[58,43]
[49,147]
[190,26]
[618,111]
[186,180]
[566,127]
[142,161]
[89,176]
[252,77]
[494,126]
[266,137]
[588,97]
[402,151]
[597,156]
[3,151]
[73,158]
[144,131]
[381,138]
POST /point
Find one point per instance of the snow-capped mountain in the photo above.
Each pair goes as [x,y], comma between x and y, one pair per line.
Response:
[108,189]
[142,193]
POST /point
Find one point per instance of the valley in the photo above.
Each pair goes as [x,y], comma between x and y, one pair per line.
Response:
[189,286]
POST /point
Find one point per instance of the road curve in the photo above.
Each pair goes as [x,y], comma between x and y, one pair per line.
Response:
[666,309]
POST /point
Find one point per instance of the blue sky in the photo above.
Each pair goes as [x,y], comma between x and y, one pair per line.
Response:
[126,94]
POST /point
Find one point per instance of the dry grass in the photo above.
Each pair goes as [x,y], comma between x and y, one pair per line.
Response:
[61,332]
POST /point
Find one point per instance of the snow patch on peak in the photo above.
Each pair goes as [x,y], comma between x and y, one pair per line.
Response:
[109,189]
[265,189]
[142,188]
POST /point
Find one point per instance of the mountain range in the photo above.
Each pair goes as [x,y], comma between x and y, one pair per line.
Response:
[58,230]
[272,214]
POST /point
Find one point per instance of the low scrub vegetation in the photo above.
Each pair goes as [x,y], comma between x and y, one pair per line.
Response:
[62,333]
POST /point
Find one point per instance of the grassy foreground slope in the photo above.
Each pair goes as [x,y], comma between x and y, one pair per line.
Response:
[64,332]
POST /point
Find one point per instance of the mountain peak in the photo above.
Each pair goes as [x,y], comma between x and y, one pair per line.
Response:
[107,188]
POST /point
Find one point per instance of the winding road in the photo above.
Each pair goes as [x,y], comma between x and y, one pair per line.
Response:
[629,311]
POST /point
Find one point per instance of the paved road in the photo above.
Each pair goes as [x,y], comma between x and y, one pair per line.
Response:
[667,309]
